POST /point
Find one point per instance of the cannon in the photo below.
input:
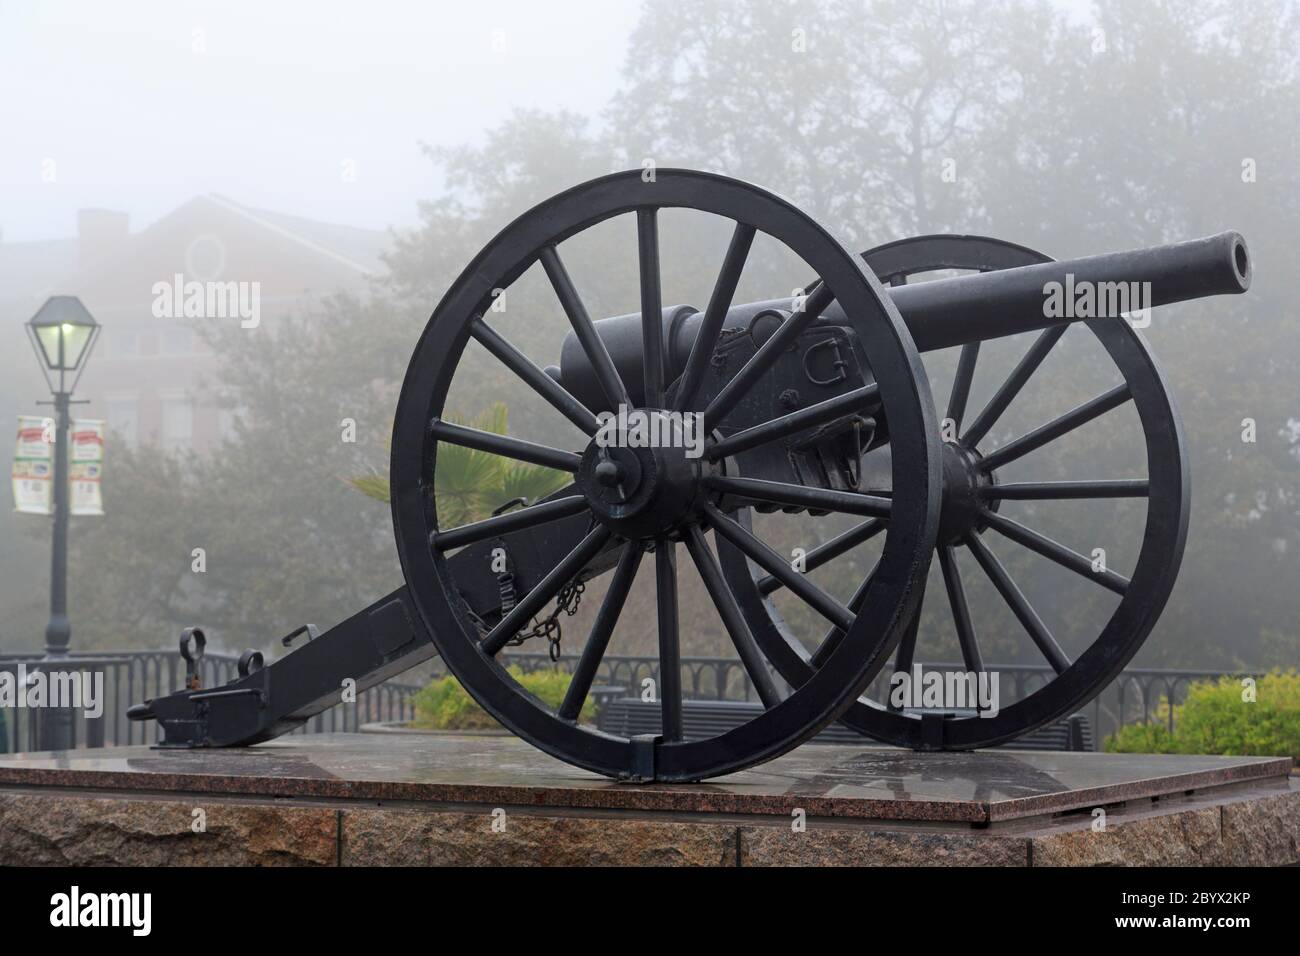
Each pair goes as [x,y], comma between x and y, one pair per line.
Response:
[695,421]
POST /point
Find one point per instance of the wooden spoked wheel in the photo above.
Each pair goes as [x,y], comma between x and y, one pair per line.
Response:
[640,500]
[972,497]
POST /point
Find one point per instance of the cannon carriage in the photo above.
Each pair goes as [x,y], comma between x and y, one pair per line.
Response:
[767,406]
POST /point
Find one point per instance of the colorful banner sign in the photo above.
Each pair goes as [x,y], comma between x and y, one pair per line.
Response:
[86,467]
[33,467]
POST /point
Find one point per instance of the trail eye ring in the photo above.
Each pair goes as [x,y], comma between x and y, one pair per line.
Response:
[195,635]
[250,662]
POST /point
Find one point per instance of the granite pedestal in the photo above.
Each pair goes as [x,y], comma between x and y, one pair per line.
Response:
[358,799]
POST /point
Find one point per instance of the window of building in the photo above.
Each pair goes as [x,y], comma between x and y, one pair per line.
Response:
[123,342]
[123,413]
[176,340]
[177,422]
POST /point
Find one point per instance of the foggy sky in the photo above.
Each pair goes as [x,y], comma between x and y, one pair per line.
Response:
[274,99]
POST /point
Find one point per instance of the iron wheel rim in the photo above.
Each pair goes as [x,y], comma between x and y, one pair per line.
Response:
[904,392]
[1155,569]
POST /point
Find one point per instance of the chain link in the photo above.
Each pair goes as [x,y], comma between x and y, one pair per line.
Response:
[569,599]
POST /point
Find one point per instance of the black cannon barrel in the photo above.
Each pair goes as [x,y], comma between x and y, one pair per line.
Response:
[988,305]
[947,312]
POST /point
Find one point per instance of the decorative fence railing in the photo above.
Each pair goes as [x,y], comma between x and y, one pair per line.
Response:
[130,677]
[133,676]
[1132,697]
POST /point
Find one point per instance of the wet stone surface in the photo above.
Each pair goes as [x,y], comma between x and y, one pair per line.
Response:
[824,781]
[430,800]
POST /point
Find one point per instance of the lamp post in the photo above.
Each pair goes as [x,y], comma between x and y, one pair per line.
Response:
[63,334]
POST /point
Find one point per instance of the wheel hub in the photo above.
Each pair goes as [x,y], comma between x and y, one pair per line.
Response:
[644,487]
[963,499]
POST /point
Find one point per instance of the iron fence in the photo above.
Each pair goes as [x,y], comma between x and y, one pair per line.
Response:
[134,676]
[130,677]
[1134,696]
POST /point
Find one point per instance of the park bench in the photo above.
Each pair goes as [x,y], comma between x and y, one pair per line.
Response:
[631,716]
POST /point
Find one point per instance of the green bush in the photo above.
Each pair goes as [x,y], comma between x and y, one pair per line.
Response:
[1152,738]
[444,705]
[1215,719]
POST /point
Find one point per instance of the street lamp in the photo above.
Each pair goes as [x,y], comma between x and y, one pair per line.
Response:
[63,334]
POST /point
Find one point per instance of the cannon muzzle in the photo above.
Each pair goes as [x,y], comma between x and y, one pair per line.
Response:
[970,308]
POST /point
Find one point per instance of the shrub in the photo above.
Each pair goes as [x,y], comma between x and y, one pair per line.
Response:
[1216,720]
[444,705]
[1152,738]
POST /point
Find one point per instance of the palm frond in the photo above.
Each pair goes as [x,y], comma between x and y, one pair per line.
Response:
[471,483]
[533,482]
[373,486]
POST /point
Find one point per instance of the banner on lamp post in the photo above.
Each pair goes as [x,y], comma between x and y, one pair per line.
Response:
[86,467]
[33,468]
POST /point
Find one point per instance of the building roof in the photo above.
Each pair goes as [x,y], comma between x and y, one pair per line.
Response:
[350,245]
[260,245]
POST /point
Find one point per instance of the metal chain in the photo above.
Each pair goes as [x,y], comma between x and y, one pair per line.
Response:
[569,599]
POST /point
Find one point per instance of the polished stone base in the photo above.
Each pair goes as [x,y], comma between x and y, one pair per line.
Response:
[359,799]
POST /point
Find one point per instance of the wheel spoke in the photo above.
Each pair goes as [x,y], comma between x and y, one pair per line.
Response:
[774,564]
[732,619]
[1053,490]
[1055,551]
[1074,418]
[539,381]
[584,672]
[970,648]
[961,384]
[768,353]
[808,417]
[670,655]
[652,325]
[602,365]
[801,496]
[546,589]
[517,520]
[835,635]
[829,551]
[724,289]
[1023,611]
[1009,389]
[505,445]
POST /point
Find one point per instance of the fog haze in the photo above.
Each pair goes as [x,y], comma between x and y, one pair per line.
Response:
[285,144]
[144,106]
